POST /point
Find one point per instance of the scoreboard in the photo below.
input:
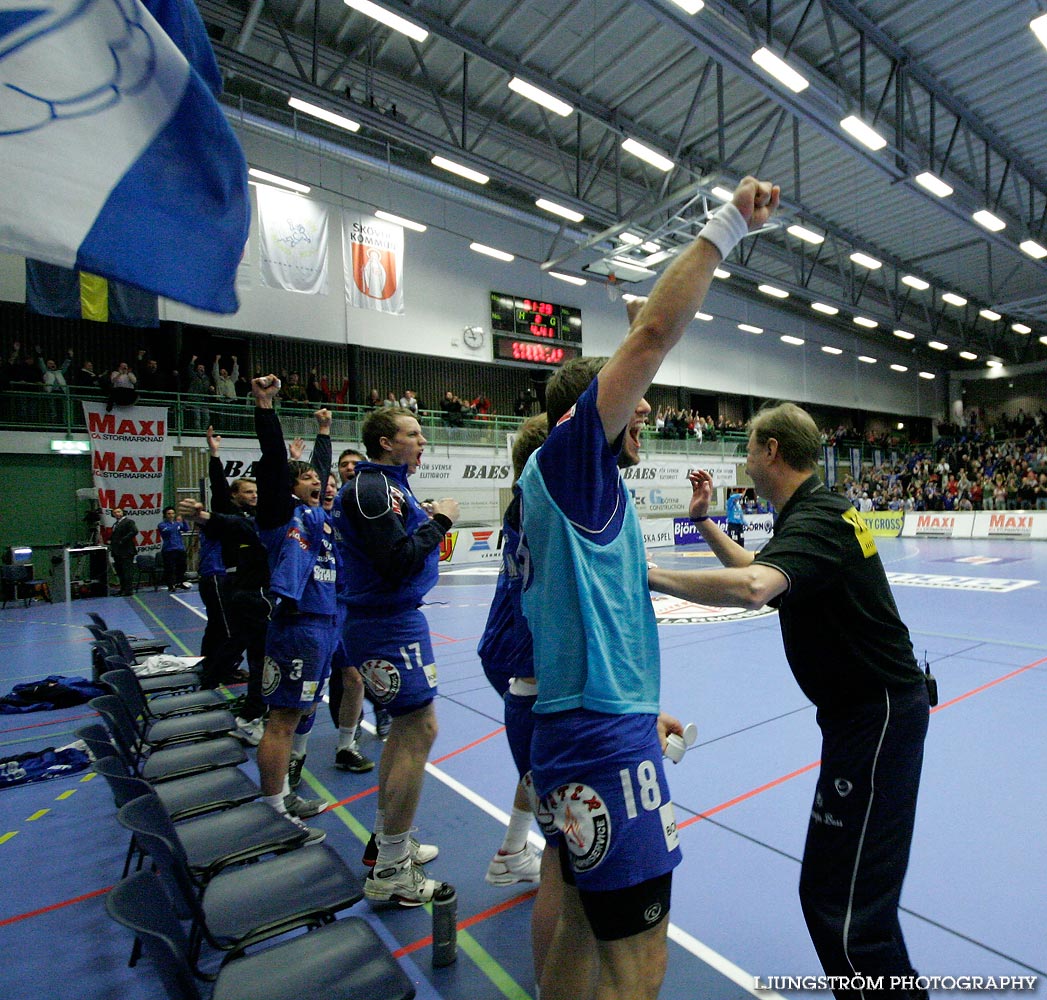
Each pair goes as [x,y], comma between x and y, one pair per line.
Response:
[534,332]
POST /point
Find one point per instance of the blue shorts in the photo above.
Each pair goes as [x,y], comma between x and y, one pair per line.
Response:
[602,788]
[395,657]
[298,650]
[519,726]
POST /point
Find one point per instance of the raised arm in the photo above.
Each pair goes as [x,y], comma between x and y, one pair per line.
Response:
[221,495]
[657,324]
[274,494]
[321,458]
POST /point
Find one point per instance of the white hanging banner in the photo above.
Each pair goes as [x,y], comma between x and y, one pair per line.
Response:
[373,252]
[292,241]
[127,465]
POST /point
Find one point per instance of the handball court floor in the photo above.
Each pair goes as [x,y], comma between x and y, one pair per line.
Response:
[974,903]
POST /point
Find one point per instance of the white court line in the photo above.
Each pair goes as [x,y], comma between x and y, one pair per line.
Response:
[701,951]
[195,611]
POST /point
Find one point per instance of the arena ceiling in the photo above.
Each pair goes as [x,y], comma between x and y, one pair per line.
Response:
[953,88]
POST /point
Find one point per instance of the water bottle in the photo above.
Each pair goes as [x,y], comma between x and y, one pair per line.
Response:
[445,925]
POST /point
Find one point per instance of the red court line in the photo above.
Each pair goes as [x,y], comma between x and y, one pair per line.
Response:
[476,918]
[50,722]
[55,906]
[803,770]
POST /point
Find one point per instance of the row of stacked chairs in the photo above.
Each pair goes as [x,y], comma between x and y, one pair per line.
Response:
[214,880]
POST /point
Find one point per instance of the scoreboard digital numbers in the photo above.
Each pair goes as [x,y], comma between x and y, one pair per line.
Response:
[534,332]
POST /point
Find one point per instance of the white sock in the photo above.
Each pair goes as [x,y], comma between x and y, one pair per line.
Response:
[347,737]
[277,802]
[516,836]
[299,744]
[379,823]
[287,786]
[392,848]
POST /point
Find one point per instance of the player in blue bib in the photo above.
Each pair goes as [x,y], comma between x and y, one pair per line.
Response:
[596,752]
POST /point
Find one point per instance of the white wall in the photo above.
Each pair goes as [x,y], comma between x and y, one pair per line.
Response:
[447,287]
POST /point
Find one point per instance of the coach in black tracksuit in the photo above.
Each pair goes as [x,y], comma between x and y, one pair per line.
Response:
[852,656]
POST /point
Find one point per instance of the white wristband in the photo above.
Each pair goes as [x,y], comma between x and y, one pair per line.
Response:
[725,229]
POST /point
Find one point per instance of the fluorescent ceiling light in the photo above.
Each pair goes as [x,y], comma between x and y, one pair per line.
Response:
[927,375]
[866,261]
[968,356]
[457,168]
[807,235]
[933,183]
[721,273]
[990,315]
[913,282]
[993,363]
[824,307]
[690,6]
[650,246]
[869,324]
[546,100]
[937,345]
[264,175]
[639,271]
[789,339]
[1039,28]
[780,70]
[991,222]
[399,220]
[722,193]
[863,133]
[749,328]
[904,335]
[899,368]
[569,278]
[1043,340]
[953,299]
[631,238]
[1033,249]
[1021,328]
[831,350]
[566,213]
[867,359]
[705,317]
[389,19]
[71,447]
[648,155]
[778,293]
[323,114]
[491,252]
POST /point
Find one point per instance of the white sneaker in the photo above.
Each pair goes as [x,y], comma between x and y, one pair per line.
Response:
[186,585]
[508,869]
[249,731]
[404,883]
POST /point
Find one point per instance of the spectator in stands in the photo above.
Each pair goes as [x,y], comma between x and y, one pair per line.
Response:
[373,401]
[225,380]
[198,385]
[86,377]
[481,406]
[292,391]
[152,379]
[451,406]
[409,401]
[122,385]
[390,402]
[54,377]
[314,388]
[525,400]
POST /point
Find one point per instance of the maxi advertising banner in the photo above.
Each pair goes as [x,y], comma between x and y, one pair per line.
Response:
[127,465]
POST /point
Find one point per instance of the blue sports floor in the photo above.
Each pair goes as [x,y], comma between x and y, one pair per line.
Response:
[975,902]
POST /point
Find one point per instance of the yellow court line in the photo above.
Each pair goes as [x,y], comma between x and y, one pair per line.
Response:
[37,815]
[5,837]
[88,776]
[66,794]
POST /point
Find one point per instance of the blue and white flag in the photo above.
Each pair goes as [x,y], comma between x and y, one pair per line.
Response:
[116,156]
